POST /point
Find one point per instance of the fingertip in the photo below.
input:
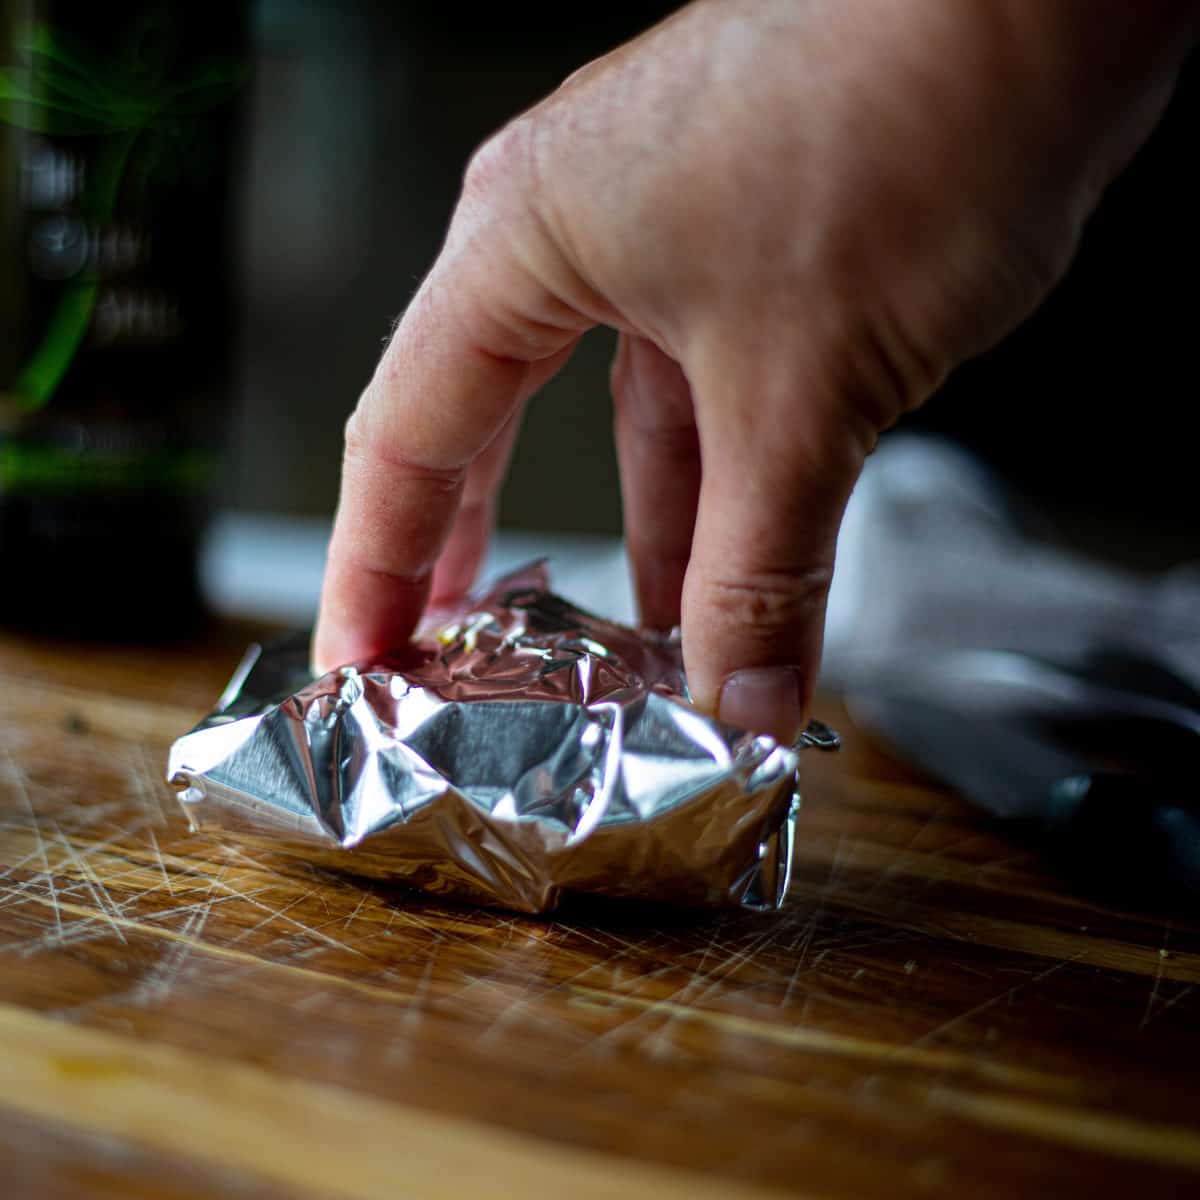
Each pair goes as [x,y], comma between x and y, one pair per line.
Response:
[752,645]
[365,613]
[323,657]
[325,638]
[333,645]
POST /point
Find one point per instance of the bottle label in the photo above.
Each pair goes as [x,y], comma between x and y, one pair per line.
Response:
[118,136]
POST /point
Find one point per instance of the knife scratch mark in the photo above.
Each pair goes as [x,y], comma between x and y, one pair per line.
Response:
[161,865]
[20,781]
[1158,974]
[14,892]
[1182,994]
[1001,997]
[162,977]
[274,914]
[415,1008]
[104,902]
[358,908]
[801,950]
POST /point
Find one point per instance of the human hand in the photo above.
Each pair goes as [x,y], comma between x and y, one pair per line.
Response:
[799,217]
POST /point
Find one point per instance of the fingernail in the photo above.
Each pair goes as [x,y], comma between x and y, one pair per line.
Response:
[763,700]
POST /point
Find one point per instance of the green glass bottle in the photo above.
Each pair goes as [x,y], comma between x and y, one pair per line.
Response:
[117,124]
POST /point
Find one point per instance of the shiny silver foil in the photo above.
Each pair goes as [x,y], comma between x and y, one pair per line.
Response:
[517,750]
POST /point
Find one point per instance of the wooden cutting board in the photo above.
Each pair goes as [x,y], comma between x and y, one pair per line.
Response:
[932,1014]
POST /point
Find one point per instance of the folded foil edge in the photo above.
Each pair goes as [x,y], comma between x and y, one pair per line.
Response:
[519,750]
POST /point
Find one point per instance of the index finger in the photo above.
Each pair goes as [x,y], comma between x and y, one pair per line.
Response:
[480,336]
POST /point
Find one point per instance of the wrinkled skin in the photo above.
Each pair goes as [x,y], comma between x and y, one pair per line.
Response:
[800,215]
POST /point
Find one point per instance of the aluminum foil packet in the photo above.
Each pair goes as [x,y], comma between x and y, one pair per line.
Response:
[517,750]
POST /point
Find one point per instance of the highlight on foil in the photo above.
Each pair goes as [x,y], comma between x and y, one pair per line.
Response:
[518,749]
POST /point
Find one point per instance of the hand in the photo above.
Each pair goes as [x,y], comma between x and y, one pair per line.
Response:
[799,216]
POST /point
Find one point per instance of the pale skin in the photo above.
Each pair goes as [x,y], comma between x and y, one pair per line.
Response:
[800,215]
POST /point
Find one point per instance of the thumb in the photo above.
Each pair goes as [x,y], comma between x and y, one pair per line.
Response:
[779,464]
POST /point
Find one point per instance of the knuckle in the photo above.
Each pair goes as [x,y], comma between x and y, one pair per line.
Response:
[1035,263]
[882,369]
[367,452]
[768,605]
[503,162]
[354,436]
[655,419]
[671,446]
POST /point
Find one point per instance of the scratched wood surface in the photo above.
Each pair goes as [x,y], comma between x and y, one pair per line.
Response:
[932,1014]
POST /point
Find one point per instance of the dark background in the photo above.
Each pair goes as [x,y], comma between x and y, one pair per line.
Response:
[361,120]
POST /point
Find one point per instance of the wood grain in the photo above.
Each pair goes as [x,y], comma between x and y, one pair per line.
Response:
[933,1013]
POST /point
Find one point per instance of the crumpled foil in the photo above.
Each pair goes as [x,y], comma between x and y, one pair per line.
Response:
[519,749]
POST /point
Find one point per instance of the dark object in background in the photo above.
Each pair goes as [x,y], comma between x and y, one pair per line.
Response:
[1089,407]
[1128,836]
[347,206]
[1095,756]
[1060,695]
[116,125]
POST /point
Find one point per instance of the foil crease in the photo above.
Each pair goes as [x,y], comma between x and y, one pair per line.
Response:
[518,749]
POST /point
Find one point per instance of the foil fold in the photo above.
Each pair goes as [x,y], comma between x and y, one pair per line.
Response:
[517,750]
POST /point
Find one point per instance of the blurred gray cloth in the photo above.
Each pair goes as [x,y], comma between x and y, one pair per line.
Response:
[1053,691]
[932,557]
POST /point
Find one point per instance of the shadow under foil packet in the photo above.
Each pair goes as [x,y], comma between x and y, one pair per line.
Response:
[518,749]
